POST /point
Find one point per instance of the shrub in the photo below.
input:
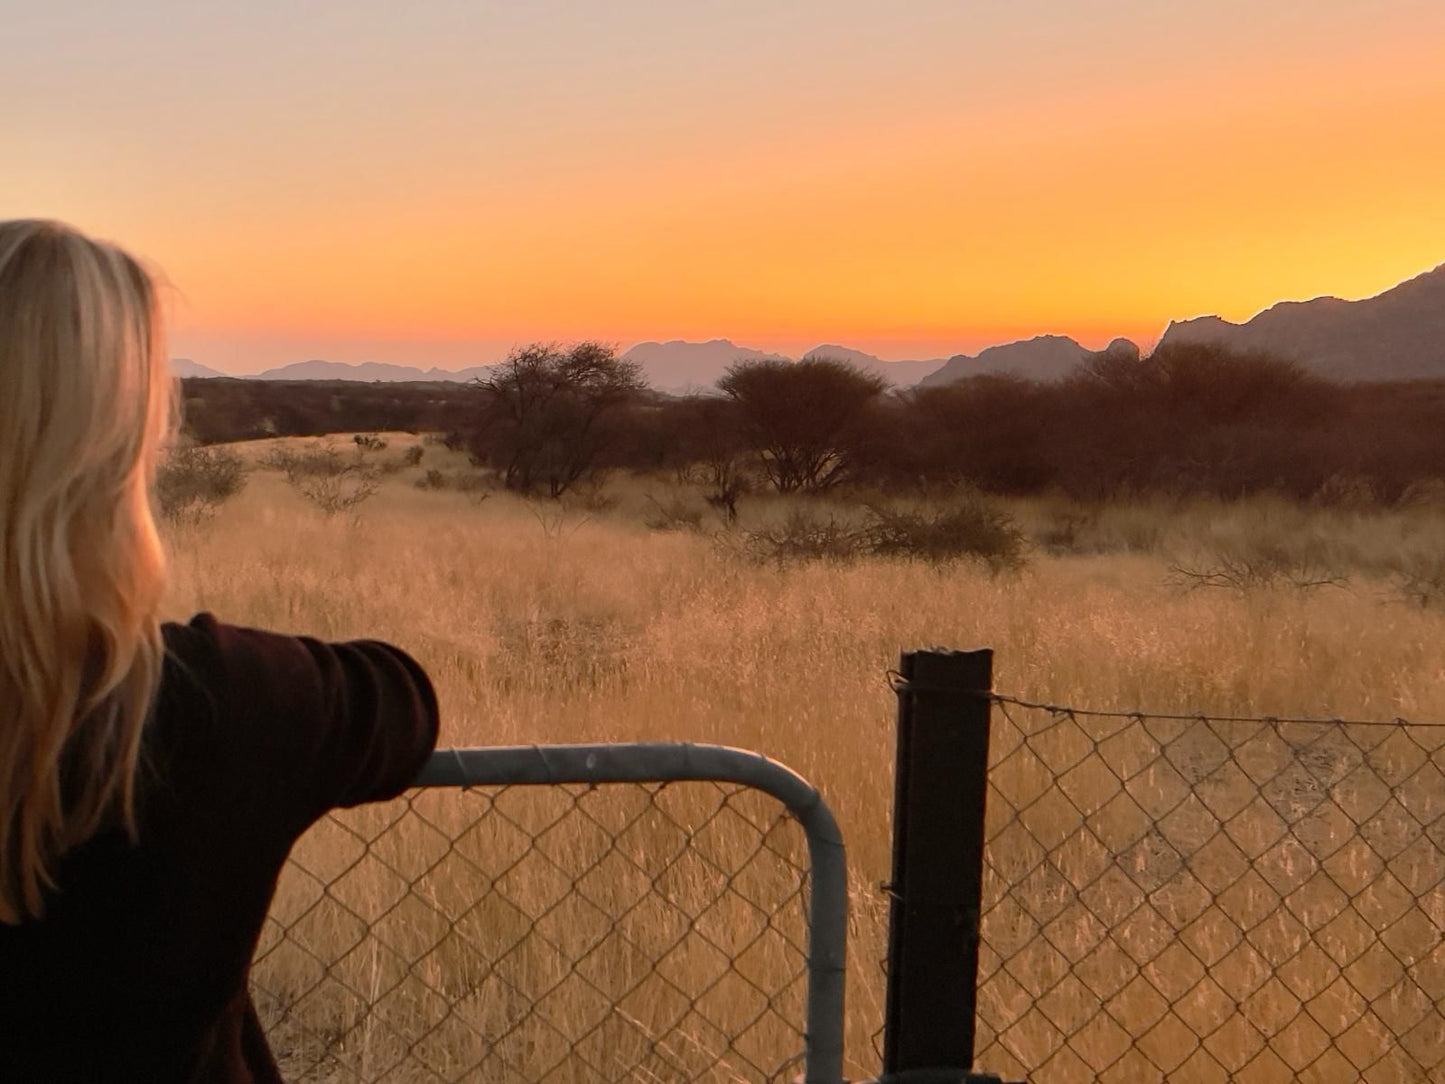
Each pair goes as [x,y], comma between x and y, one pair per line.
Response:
[590,498]
[1257,563]
[805,536]
[331,482]
[193,482]
[1064,532]
[1419,579]
[970,530]
[1352,491]
[409,457]
[675,515]
[294,463]
[475,486]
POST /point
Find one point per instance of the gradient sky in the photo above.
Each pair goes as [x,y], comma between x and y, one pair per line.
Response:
[433,183]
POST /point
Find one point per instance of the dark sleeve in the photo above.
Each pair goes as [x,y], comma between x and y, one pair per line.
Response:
[334,724]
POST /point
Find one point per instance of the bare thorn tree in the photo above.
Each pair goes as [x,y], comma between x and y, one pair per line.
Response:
[333,483]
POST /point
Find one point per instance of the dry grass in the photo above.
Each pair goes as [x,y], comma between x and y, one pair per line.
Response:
[543,625]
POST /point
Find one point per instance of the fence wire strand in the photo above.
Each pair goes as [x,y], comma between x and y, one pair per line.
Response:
[1056,709]
[1206,898]
[577,933]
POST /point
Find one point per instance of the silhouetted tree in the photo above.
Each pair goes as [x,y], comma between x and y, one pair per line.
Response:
[1188,419]
[544,414]
[221,409]
[992,430]
[1195,418]
[710,448]
[810,418]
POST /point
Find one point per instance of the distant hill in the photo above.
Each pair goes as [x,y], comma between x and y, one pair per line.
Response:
[185,367]
[679,366]
[1044,357]
[901,374]
[1396,335]
[367,370]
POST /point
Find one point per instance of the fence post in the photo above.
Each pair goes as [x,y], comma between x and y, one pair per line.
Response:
[938,809]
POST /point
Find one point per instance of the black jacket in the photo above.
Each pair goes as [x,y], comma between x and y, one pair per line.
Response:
[138,971]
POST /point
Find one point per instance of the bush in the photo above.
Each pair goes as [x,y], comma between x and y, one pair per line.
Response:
[193,482]
[675,515]
[1419,579]
[304,463]
[410,457]
[1064,532]
[475,486]
[971,530]
[805,536]
[1261,563]
[331,482]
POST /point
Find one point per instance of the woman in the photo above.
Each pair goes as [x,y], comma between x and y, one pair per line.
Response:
[152,777]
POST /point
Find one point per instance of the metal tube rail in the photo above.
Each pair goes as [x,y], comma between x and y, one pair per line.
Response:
[666,762]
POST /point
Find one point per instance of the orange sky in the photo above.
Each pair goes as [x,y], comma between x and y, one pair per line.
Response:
[369,185]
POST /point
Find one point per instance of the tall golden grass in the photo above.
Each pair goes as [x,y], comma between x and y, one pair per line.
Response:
[552,624]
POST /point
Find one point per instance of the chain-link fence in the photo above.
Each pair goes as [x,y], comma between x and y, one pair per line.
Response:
[1173,898]
[602,913]
[1160,898]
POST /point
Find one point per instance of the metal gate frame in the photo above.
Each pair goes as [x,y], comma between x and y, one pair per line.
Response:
[669,762]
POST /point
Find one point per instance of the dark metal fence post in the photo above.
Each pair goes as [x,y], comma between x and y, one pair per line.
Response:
[938,809]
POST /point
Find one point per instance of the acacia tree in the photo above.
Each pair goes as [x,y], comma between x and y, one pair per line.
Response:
[545,412]
[988,430]
[711,448]
[810,418]
[1198,418]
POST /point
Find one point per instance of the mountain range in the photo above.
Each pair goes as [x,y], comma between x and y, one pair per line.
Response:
[368,371]
[1044,357]
[187,367]
[681,367]
[901,374]
[1396,335]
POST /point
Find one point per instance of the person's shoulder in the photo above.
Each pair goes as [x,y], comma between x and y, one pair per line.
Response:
[262,689]
[205,639]
[193,639]
[192,666]
[260,669]
[352,720]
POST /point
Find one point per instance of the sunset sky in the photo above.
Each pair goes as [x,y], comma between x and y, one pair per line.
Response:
[431,184]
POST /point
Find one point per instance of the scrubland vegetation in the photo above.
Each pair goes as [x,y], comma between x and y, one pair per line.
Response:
[1185,421]
[644,571]
[636,607]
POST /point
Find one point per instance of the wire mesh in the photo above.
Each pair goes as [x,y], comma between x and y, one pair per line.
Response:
[1195,899]
[572,933]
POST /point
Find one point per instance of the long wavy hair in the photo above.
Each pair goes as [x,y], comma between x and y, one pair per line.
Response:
[86,405]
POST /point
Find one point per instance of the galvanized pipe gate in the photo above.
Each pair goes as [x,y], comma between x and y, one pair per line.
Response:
[667,762]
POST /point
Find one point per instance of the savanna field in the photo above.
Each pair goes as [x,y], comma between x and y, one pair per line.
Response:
[632,613]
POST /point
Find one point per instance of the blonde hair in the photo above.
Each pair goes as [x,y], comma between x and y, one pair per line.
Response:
[86,403]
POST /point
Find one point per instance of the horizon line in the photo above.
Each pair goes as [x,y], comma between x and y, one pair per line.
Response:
[421,367]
